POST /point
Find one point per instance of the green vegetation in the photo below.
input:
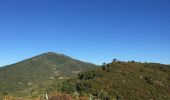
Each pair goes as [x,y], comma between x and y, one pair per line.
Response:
[118,80]
[124,81]
[39,74]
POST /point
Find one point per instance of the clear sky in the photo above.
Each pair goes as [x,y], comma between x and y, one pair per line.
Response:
[90,30]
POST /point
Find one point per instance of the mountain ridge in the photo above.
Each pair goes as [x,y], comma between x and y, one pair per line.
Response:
[44,67]
[120,80]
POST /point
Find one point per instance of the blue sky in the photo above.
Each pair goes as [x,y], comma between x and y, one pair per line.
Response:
[90,30]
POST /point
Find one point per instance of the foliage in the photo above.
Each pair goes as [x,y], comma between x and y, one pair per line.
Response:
[39,74]
[117,80]
[126,81]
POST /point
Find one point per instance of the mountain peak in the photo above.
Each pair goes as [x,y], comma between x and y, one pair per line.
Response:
[41,68]
[50,53]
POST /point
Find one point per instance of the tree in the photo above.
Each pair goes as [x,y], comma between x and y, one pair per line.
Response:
[114,60]
[104,64]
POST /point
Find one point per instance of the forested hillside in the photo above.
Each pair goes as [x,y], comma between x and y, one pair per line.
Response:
[34,76]
[74,79]
[123,81]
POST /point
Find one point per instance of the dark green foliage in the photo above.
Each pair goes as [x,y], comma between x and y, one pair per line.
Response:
[89,75]
[69,88]
[114,81]
[38,74]
[83,86]
[149,80]
[5,93]
[114,60]
[126,81]
[119,97]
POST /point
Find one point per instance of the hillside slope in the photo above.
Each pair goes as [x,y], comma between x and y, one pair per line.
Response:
[124,81]
[39,71]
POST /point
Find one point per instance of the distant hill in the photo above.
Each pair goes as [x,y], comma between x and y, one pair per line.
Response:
[39,71]
[124,81]
[118,80]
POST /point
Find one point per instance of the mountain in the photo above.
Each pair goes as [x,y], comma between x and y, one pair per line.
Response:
[39,71]
[123,81]
[51,72]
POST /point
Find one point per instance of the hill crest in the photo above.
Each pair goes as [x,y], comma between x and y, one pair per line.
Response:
[42,68]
